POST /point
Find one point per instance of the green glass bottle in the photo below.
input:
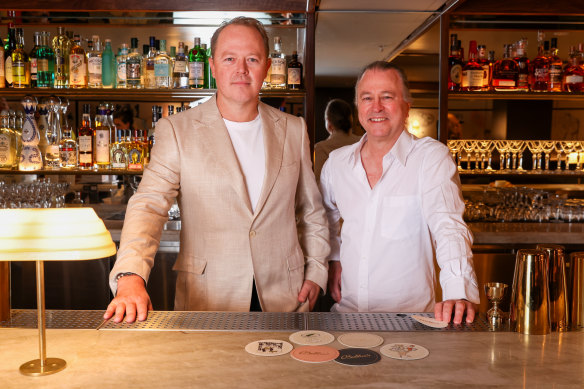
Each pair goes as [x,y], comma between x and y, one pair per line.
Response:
[45,62]
[197,66]
[108,74]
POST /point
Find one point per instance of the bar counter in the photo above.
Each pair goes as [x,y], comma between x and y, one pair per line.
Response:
[213,359]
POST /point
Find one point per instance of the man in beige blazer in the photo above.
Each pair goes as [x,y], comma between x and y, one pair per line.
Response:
[279,244]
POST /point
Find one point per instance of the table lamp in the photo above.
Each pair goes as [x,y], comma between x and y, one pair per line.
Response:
[51,234]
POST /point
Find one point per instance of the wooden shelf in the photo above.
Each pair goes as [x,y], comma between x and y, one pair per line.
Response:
[523,173]
[77,172]
[516,95]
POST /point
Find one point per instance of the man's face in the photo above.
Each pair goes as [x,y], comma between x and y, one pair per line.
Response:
[380,104]
[240,64]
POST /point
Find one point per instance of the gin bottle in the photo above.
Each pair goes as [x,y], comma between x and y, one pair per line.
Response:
[94,63]
[134,66]
[121,66]
[197,66]
[30,156]
[162,68]
[45,63]
[149,76]
[8,143]
[278,73]
[61,47]
[209,79]
[180,72]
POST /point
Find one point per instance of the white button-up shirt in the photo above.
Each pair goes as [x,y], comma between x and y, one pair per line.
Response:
[391,233]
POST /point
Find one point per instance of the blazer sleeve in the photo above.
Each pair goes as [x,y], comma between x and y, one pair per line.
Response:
[313,232]
[147,210]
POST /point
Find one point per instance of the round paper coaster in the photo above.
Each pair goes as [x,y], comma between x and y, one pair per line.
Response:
[269,347]
[314,354]
[312,338]
[404,351]
[357,357]
[360,339]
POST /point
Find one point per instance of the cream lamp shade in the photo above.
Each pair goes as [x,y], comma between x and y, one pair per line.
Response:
[51,234]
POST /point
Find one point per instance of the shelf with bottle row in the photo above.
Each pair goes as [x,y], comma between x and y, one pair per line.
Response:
[75,172]
[514,95]
[90,94]
[516,173]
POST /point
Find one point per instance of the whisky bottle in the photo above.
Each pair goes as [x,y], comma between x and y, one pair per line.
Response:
[541,74]
[119,151]
[505,72]
[472,71]
[197,66]
[61,47]
[8,143]
[8,49]
[136,152]
[121,67]
[454,65]
[486,66]
[101,140]
[574,73]
[149,77]
[134,66]
[20,63]
[523,63]
[68,150]
[77,65]
[162,68]
[556,68]
[85,139]
[278,75]
[33,56]
[108,73]
[45,63]
[94,63]
[180,71]
[294,72]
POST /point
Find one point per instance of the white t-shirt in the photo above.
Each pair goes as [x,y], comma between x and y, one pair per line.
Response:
[248,141]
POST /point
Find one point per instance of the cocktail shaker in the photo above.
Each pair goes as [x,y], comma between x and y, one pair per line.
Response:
[557,286]
[577,303]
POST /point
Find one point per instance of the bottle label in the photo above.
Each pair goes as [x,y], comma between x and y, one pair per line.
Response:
[456,74]
[6,155]
[33,69]
[161,70]
[118,158]
[197,74]
[541,75]
[52,152]
[472,78]
[84,146]
[133,71]
[42,65]
[8,69]
[574,79]
[180,66]
[555,75]
[523,81]
[77,70]
[135,159]
[122,71]
[102,146]
[294,76]
[18,73]
[94,67]
[503,83]
[68,157]
[486,76]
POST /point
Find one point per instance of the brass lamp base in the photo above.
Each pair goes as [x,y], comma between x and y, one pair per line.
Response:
[35,369]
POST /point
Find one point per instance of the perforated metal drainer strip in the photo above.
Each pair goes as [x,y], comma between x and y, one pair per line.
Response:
[237,321]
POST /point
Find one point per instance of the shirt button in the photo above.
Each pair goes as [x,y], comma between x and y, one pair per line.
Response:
[252,233]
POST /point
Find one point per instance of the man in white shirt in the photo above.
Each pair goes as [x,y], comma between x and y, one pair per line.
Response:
[401,203]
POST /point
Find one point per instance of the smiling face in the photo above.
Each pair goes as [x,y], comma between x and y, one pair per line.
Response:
[239,65]
[381,105]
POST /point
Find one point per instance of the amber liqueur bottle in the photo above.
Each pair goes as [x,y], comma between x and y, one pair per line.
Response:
[454,65]
[85,139]
[523,63]
[541,70]
[472,71]
[486,65]
[505,72]
[573,80]
[556,68]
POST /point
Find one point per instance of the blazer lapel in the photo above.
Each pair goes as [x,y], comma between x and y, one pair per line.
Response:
[217,142]
[274,132]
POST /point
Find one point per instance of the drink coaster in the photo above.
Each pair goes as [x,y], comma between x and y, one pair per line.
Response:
[269,347]
[357,357]
[314,354]
[404,351]
[360,339]
[312,338]
[430,321]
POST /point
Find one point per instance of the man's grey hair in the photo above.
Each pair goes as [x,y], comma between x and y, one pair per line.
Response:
[241,21]
[384,66]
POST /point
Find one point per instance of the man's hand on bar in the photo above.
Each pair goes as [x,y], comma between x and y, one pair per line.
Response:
[131,300]
[443,311]
[309,291]
[334,280]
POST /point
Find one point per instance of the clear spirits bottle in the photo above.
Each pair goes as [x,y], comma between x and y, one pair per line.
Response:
[197,66]
[94,63]
[101,143]
[53,133]
[294,72]
[134,66]
[121,66]
[119,151]
[20,63]
[108,74]
[505,72]
[180,71]
[278,74]
[8,143]
[45,63]
[43,123]
[149,76]
[472,71]
[61,46]
[556,68]
[30,158]
[162,68]
[77,65]
[85,139]
[574,73]
[68,150]
[523,63]
[33,56]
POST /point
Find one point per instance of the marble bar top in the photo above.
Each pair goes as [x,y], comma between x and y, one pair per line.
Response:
[174,359]
[527,233]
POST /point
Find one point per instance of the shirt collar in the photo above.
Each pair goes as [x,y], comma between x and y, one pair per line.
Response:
[400,150]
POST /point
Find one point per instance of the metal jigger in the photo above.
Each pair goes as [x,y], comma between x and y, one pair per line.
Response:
[495,292]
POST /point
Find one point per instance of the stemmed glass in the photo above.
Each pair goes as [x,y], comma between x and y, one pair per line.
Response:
[559,149]
[486,148]
[503,148]
[568,147]
[516,147]
[535,149]
[547,146]
[455,147]
[469,146]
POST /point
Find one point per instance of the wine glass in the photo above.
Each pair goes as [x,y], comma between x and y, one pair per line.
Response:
[469,147]
[547,146]
[568,147]
[535,149]
[455,147]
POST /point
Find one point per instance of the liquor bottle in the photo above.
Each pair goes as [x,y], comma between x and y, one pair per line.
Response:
[180,70]
[134,66]
[8,143]
[541,67]
[68,150]
[523,63]
[53,133]
[454,65]
[119,151]
[2,63]
[85,139]
[149,76]
[43,123]
[135,150]
[556,68]
[8,49]
[294,72]
[108,74]
[163,68]
[505,72]
[472,71]
[30,156]
[209,79]
[278,75]
[20,63]
[77,65]
[101,140]
[573,73]
[33,56]
[486,66]
[121,66]
[94,63]
[61,46]
[45,62]
[197,66]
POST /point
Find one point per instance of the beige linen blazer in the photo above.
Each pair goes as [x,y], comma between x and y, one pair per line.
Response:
[223,244]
